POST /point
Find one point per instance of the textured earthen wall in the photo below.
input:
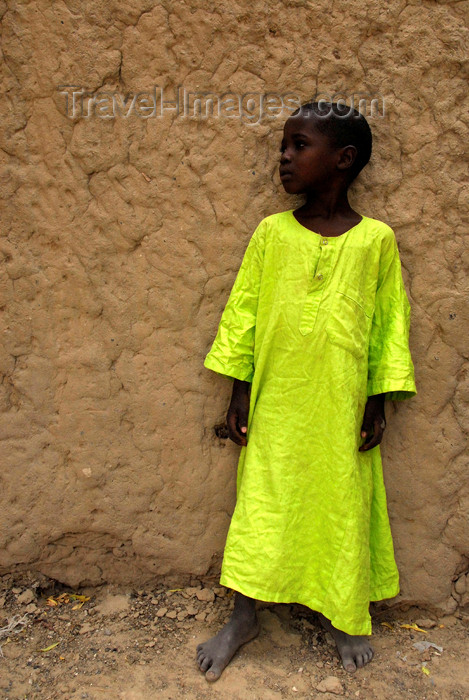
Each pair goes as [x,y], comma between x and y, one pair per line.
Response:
[120,241]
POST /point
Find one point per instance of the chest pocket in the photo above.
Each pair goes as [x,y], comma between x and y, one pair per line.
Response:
[349,324]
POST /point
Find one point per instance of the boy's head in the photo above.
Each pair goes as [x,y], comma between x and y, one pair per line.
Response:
[345,126]
[343,139]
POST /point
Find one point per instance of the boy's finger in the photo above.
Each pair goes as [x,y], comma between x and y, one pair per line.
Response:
[367,427]
[369,445]
[376,438]
[237,438]
[379,426]
[232,431]
[234,434]
[242,434]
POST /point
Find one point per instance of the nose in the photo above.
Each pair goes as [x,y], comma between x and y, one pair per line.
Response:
[285,156]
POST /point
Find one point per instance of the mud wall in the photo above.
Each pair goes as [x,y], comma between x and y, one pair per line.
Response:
[122,233]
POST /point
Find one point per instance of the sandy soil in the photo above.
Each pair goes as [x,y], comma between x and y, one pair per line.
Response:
[139,645]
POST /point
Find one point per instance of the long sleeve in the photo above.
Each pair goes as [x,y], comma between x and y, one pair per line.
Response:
[390,368]
[232,352]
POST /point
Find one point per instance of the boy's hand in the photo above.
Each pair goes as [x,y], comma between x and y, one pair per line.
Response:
[238,412]
[374,423]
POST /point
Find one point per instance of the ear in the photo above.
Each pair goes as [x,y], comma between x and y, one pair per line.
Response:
[347,156]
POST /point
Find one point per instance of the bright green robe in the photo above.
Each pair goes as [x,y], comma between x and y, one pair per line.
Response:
[317,324]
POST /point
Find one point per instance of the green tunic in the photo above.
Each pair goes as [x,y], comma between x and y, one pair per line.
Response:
[317,324]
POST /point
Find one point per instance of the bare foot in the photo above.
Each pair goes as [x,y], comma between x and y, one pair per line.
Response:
[354,650]
[215,655]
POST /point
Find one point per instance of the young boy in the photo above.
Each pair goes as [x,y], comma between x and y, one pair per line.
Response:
[315,336]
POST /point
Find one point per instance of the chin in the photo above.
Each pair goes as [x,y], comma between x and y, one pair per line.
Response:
[290,187]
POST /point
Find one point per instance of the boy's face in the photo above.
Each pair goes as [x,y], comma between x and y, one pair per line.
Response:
[308,161]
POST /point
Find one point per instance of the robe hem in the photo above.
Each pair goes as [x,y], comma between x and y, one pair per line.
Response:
[244,375]
[385,592]
[358,628]
[395,390]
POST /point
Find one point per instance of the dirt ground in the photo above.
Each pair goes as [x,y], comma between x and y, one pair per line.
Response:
[98,644]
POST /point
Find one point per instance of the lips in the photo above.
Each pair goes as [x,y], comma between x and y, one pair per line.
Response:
[285,174]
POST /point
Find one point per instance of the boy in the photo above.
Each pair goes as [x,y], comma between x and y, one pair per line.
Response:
[315,336]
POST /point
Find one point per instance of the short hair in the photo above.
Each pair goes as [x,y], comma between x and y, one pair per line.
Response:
[344,126]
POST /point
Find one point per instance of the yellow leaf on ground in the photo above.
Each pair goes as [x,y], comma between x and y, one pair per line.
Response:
[425,670]
[174,590]
[83,598]
[51,602]
[52,646]
[387,624]
[414,627]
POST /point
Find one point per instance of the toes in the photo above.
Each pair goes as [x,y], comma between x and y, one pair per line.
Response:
[205,663]
[214,673]
[349,664]
[359,661]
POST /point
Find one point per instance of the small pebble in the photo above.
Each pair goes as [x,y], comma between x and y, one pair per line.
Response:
[331,684]
[171,614]
[192,591]
[26,597]
[206,595]
[426,623]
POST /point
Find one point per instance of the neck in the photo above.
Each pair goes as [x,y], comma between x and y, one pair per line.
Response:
[328,214]
[327,205]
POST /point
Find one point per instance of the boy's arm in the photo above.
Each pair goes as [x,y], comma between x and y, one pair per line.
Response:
[390,369]
[232,352]
[238,412]
[374,422]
